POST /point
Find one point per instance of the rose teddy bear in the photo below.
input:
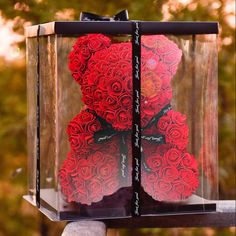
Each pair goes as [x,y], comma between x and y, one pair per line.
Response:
[100,160]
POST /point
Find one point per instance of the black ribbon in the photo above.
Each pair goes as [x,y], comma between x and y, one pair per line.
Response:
[38,123]
[121,16]
[136,122]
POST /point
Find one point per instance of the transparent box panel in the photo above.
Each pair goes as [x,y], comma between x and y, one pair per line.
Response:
[31,110]
[180,174]
[48,119]
[89,172]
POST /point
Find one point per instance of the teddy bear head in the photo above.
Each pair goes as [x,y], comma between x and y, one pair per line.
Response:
[103,68]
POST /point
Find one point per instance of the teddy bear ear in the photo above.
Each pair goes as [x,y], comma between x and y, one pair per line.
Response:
[167,50]
[83,49]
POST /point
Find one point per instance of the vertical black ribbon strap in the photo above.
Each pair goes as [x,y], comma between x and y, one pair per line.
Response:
[38,123]
[136,125]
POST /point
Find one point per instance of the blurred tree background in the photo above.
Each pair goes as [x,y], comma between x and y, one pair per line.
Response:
[16,216]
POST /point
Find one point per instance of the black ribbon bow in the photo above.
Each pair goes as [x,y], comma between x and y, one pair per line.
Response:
[121,16]
[108,133]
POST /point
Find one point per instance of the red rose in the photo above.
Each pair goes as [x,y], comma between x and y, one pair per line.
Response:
[163,123]
[88,100]
[162,186]
[79,198]
[98,94]
[123,118]
[161,68]
[79,142]
[88,91]
[189,177]
[108,167]
[177,117]
[173,196]
[168,173]
[97,42]
[64,177]
[188,161]
[74,128]
[110,103]
[96,157]
[182,190]
[85,52]
[150,177]
[86,169]
[179,187]
[166,94]
[155,162]
[110,186]
[84,117]
[163,148]
[80,186]
[77,65]
[148,180]
[94,126]
[110,116]
[70,164]
[68,191]
[115,87]
[177,135]
[151,84]
[173,156]
[91,79]
[95,190]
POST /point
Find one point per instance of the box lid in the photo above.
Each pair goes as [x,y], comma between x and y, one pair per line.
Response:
[122,27]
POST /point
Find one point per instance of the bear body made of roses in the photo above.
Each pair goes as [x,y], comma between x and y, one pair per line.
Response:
[93,169]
